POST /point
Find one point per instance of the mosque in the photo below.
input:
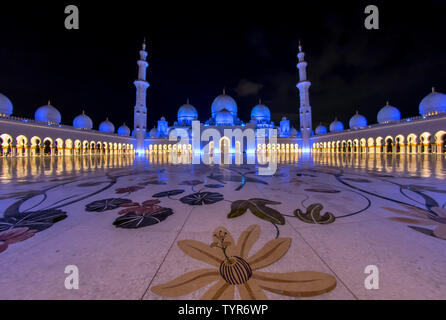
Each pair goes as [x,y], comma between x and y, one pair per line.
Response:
[45,135]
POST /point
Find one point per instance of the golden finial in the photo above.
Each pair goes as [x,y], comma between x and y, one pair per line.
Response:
[300,46]
[224,90]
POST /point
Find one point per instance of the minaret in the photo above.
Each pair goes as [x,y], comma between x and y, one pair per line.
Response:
[140,119]
[305,108]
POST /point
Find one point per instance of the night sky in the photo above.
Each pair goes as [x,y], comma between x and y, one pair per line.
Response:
[196,49]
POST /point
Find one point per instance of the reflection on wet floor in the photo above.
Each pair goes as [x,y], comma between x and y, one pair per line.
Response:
[425,165]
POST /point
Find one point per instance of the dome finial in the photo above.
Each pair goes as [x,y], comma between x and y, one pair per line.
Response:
[300,46]
[224,91]
[187,101]
[49,102]
[387,103]
[433,89]
[144,44]
[260,100]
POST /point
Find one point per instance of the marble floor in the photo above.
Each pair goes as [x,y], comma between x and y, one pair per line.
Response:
[320,227]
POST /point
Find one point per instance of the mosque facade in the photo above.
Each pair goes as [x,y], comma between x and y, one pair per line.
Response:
[46,135]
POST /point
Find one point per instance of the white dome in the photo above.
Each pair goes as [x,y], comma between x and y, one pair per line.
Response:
[388,113]
[224,117]
[187,113]
[83,121]
[261,112]
[153,133]
[224,102]
[321,130]
[107,126]
[432,103]
[336,126]
[293,132]
[357,121]
[48,114]
[6,106]
[124,130]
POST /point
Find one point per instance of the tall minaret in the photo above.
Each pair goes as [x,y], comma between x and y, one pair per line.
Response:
[305,108]
[140,120]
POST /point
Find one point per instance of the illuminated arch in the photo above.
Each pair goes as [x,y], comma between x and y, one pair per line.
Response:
[399,144]
[21,145]
[425,139]
[224,145]
[412,144]
[388,144]
[440,141]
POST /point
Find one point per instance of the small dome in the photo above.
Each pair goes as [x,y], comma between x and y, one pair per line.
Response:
[321,130]
[293,132]
[163,119]
[388,113]
[187,113]
[107,126]
[153,133]
[433,102]
[48,114]
[357,121]
[336,126]
[261,112]
[124,130]
[224,102]
[224,117]
[83,121]
[5,105]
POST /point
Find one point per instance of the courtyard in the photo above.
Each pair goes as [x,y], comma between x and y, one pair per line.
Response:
[152,228]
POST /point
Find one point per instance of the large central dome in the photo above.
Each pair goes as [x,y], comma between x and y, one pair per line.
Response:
[223,102]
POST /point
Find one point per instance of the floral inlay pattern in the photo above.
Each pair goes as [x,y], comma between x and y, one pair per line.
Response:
[233,268]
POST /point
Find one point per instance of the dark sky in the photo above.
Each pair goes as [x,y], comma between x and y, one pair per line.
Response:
[197,48]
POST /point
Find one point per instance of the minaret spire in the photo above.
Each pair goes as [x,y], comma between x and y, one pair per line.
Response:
[305,108]
[140,114]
